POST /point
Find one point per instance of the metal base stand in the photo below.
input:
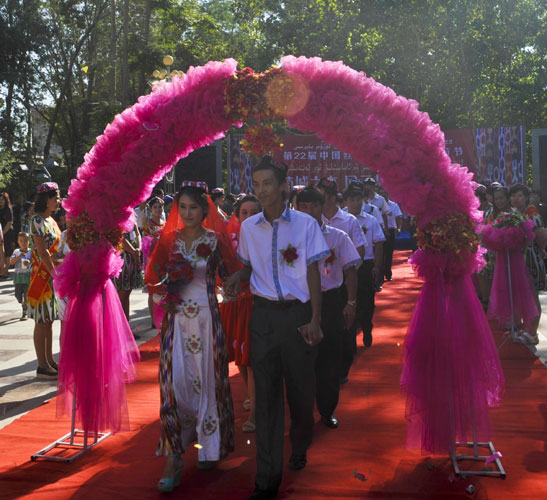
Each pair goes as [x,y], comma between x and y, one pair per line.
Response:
[462,473]
[74,440]
[513,335]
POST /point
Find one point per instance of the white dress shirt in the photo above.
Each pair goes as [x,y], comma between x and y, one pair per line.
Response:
[380,202]
[394,212]
[347,223]
[373,210]
[343,255]
[372,231]
[261,246]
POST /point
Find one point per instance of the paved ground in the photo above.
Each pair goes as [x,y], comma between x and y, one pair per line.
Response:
[20,391]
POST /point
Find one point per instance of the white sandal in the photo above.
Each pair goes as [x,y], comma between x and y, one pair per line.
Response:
[528,338]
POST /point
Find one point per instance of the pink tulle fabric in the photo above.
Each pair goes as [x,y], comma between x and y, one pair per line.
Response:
[508,243]
[452,371]
[98,351]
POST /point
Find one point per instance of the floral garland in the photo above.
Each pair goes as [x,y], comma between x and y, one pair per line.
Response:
[454,233]
[509,231]
[81,232]
[249,95]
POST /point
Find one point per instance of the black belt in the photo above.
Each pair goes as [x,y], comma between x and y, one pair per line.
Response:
[332,291]
[274,304]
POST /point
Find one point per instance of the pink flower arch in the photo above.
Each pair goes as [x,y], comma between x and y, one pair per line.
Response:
[345,108]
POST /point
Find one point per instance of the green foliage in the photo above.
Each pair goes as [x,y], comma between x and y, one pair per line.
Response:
[468,62]
[8,170]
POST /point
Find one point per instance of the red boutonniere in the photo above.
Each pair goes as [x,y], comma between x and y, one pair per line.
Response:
[331,257]
[290,254]
[203,250]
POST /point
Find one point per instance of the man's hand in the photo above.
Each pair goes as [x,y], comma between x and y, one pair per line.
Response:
[312,333]
[349,315]
[169,308]
[232,286]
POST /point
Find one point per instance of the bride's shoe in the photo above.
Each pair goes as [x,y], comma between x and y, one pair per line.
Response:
[168,484]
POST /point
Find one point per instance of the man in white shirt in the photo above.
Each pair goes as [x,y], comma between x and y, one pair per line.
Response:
[334,216]
[368,207]
[394,220]
[373,198]
[340,266]
[280,249]
[368,272]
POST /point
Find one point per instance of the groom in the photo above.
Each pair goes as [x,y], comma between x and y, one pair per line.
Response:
[280,249]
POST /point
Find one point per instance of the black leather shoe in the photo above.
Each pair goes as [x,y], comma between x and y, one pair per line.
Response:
[259,494]
[297,462]
[330,421]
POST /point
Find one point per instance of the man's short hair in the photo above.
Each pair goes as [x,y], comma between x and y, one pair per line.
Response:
[310,194]
[328,184]
[280,171]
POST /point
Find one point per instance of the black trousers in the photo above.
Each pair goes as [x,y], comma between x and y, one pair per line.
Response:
[279,353]
[329,355]
[389,246]
[366,293]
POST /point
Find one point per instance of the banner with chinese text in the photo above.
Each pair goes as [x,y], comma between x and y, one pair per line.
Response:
[495,154]
[308,158]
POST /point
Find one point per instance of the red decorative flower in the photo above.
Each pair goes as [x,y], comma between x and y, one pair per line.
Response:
[290,254]
[331,257]
[172,298]
[203,250]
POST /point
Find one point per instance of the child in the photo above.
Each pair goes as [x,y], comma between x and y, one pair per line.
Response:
[21,259]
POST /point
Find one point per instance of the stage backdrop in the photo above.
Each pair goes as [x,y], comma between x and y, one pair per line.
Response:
[495,154]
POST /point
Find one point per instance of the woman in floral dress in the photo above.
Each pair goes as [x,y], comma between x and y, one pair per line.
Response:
[41,300]
[131,274]
[151,231]
[196,401]
[533,254]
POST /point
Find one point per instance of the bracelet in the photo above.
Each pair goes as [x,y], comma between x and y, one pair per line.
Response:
[352,303]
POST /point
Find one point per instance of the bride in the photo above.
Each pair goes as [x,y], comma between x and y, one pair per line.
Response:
[196,401]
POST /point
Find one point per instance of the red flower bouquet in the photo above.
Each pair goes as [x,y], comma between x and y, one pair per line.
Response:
[290,254]
[179,273]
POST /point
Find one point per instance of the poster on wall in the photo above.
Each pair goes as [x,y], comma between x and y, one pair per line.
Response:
[460,146]
[500,154]
[308,158]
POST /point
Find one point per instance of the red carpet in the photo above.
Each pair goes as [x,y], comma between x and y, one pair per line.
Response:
[370,439]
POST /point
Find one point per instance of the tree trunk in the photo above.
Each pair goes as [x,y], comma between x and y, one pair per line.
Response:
[113,49]
[66,86]
[146,36]
[125,55]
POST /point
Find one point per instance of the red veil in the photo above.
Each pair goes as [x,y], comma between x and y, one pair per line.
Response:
[156,268]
